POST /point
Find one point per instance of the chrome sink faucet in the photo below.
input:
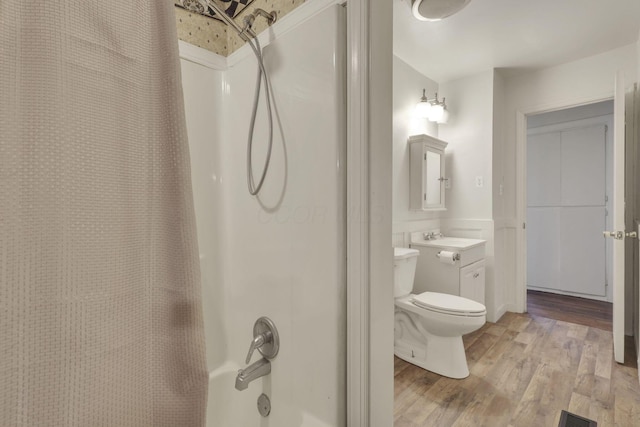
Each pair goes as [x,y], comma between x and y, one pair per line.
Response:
[432,235]
[267,342]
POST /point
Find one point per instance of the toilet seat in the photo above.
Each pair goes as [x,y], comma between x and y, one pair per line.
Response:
[448,304]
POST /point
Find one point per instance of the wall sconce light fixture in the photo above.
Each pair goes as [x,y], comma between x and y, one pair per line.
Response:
[432,109]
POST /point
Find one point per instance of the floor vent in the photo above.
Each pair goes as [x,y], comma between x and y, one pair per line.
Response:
[567,419]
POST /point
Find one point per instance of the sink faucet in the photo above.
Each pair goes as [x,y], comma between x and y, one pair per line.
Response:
[431,235]
[252,372]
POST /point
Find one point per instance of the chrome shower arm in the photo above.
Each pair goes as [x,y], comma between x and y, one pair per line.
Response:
[247,32]
[270,17]
[228,20]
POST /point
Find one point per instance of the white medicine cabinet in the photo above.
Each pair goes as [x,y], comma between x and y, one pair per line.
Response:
[427,175]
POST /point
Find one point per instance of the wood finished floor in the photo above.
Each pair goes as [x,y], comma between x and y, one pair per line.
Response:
[524,370]
[597,314]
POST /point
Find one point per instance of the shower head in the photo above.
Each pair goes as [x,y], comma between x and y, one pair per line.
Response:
[210,8]
[194,6]
[435,10]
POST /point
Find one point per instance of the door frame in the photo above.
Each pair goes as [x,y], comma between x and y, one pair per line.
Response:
[521,187]
[369,362]
[579,124]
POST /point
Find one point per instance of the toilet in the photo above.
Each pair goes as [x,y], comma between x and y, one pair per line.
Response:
[429,326]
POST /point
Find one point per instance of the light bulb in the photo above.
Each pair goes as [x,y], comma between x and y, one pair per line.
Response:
[436,112]
[422,109]
[445,117]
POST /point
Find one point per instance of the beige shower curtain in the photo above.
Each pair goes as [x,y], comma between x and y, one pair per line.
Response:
[100,310]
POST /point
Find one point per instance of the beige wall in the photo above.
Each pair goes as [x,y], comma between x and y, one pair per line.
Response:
[213,35]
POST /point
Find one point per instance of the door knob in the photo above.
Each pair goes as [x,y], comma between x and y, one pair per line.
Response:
[618,235]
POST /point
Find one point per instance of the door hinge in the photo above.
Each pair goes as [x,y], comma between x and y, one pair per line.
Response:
[524,225]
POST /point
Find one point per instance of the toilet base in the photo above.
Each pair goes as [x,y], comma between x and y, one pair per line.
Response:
[441,355]
[446,358]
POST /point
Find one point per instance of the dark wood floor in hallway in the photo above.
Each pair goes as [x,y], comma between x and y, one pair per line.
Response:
[525,369]
[587,312]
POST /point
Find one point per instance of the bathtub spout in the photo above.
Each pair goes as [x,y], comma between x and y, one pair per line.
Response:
[252,372]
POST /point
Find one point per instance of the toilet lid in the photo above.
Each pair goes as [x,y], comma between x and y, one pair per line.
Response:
[448,303]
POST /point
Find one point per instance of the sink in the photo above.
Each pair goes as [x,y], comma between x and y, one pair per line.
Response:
[450,242]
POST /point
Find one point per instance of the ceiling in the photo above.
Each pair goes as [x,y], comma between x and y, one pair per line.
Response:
[515,35]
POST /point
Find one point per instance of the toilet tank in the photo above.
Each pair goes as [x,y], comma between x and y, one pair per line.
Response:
[404,270]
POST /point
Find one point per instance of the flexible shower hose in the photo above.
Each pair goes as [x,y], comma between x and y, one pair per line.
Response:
[262,74]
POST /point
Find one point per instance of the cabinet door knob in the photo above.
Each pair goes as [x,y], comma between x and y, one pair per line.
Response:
[475,275]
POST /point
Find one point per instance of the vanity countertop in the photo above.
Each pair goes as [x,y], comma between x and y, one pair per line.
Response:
[450,242]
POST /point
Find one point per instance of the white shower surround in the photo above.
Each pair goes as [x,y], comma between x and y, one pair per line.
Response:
[283,254]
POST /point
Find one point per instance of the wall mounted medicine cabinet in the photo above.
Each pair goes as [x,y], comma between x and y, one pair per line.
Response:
[427,175]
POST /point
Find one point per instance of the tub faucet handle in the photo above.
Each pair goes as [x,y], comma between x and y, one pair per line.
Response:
[265,339]
[257,342]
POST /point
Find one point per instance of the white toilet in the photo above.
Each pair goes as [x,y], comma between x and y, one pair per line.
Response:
[429,326]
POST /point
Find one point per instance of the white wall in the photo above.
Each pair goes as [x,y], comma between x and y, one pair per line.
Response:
[407,90]
[638,59]
[470,137]
[281,254]
[575,83]
[469,133]
[504,227]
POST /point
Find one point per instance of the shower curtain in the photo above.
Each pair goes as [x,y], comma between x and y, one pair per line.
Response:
[100,309]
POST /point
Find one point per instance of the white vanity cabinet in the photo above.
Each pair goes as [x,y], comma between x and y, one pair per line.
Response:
[472,281]
[464,277]
[427,179]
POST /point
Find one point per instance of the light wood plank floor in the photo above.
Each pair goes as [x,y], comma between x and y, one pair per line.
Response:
[524,371]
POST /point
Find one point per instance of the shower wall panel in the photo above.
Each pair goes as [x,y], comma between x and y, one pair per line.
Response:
[202,89]
[280,254]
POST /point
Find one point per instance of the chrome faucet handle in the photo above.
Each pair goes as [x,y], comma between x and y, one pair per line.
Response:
[257,342]
[265,339]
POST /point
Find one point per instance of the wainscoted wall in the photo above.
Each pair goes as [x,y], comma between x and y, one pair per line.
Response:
[495,300]
[505,266]
[213,35]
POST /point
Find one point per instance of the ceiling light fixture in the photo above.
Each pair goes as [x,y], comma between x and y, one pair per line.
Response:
[435,10]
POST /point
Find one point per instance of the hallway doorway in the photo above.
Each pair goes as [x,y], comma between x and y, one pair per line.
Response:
[569,166]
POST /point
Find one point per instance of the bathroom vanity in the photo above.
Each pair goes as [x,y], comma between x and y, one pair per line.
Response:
[451,265]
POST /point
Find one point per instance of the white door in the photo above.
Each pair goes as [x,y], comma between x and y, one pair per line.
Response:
[618,232]
[566,209]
